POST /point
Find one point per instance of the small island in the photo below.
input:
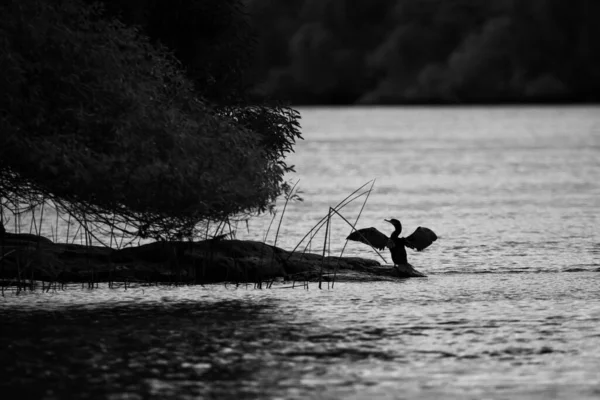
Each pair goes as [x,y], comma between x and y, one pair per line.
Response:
[28,258]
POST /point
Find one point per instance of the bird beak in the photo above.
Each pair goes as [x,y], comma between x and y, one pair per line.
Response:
[387,220]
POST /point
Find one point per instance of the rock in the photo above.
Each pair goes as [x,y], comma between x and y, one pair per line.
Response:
[261,267]
[408,271]
[8,238]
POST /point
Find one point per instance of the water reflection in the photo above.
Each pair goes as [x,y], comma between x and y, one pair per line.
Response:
[452,335]
[188,348]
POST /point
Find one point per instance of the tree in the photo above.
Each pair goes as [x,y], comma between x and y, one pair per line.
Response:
[111,126]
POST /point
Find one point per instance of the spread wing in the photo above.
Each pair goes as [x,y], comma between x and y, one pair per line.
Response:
[370,236]
[420,239]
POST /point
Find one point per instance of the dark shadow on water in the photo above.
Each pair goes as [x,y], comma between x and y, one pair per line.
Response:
[147,351]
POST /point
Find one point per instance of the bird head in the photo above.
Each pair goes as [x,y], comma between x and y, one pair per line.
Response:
[395,222]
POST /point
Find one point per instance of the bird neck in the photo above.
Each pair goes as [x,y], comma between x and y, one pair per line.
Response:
[396,233]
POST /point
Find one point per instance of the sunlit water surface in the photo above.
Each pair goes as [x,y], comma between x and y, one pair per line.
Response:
[510,308]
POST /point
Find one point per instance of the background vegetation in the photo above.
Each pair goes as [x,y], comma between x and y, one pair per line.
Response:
[405,51]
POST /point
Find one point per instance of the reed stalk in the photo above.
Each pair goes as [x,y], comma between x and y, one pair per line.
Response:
[289,196]
[120,245]
[112,232]
[329,254]
[68,228]
[317,227]
[232,231]
[78,231]
[339,206]
[353,227]
[324,246]
[39,233]
[355,223]
[321,223]
[2,244]
[269,227]
[56,223]
[287,199]
[54,229]
[32,223]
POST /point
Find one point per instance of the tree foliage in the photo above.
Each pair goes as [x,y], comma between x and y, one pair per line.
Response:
[113,127]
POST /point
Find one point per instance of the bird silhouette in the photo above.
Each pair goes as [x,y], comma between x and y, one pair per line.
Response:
[420,239]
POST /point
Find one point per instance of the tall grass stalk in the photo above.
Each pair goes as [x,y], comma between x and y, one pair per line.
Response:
[329,253]
[39,233]
[77,232]
[317,227]
[325,246]
[68,228]
[120,245]
[207,230]
[218,228]
[338,207]
[355,223]
[232,234]
[2,244]
[55,236]
[269,227]
[288,197]
[354,228]
[32,223]
[112,232]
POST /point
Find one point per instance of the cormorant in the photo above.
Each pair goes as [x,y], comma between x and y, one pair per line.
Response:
[420,239]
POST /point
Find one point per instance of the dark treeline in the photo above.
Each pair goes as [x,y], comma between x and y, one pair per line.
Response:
[405,51]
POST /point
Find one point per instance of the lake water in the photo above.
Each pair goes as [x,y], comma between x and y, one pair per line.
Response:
[510,308]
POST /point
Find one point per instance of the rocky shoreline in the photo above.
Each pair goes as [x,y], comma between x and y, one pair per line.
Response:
[25,257]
